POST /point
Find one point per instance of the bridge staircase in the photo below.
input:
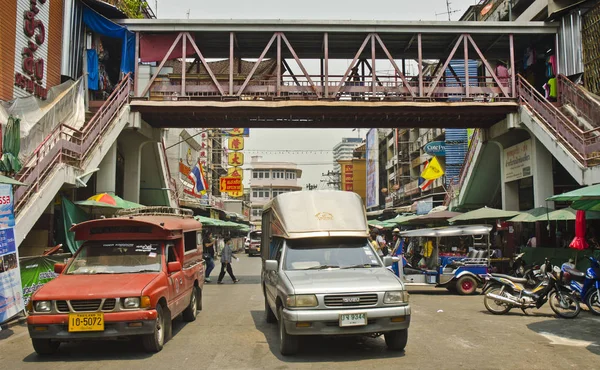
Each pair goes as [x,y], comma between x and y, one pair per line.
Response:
[65,154]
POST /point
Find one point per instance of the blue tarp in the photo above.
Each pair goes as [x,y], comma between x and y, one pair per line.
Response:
[105,27]
[92,66]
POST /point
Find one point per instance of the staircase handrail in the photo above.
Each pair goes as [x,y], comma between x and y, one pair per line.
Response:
[585,105]
[68,144]
[570,135]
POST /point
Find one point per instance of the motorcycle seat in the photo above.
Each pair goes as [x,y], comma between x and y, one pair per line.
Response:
[574,273]
[511,278]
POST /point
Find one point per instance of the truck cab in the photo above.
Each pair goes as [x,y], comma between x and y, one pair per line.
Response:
[320,275]
[130,278]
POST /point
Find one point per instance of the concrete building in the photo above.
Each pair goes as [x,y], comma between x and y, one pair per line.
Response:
[343,151]
[268,180]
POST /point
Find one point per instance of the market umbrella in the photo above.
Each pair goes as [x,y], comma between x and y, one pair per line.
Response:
[586,205]
[566,214]
[11,146]
[588,193]
[440,218]
[207,221]
[579,242]
[106,200]
[400,218]
[8,180]
[531,215]
[484,213]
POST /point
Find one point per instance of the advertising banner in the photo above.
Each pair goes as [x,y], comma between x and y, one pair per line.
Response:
[436,148]
[11,293]
[372,168]
[517,161]
[7,218]
[37,271]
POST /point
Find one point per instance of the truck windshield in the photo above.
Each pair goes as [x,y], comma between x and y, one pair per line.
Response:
[116,258]
[323,253]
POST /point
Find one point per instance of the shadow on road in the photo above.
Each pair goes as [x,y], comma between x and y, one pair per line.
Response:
[101,350]
[326,349]
[580,332]
[518,312]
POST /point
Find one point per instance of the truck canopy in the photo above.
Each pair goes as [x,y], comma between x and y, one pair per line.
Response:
[317,213]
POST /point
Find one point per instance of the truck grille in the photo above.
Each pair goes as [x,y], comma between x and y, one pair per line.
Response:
[350,300]
[89,305]
[109,304]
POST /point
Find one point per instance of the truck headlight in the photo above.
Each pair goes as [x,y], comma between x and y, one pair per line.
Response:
[302,300]
[400,296]
[131,302]
[42,306]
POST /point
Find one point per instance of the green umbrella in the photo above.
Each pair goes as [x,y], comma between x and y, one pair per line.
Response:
[106,200]
[531,215]
[11,145]
[207,221]
[586,205]
[587,193]
[484,213]
[434,218]
[8,180]
[566,214]
[399,219]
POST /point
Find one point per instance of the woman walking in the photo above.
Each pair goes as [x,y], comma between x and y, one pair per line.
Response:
[226,256]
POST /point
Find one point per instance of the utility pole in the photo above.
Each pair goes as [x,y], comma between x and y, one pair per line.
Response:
[333,178]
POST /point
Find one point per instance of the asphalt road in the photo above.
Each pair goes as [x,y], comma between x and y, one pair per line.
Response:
[447,332]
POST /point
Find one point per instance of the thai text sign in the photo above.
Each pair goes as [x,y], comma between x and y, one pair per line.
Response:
[32,64]
[233,184]
[517,161]
[11,293]
[7,218]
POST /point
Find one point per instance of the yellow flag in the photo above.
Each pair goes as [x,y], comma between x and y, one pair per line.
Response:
[433,170]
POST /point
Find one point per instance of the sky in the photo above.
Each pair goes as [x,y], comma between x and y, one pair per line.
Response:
[275,145]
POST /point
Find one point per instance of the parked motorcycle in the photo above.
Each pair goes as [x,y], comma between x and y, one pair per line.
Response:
[502,293]
[518,266]
[586,286]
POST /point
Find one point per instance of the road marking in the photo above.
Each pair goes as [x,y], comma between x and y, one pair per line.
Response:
[557,340]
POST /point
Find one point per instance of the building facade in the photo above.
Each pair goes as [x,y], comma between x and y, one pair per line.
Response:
[268,180]
[343,151]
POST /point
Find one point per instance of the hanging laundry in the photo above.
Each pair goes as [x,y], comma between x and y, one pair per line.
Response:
[546,91]
[552,83]
[529,57]
[553,65]
[92,69]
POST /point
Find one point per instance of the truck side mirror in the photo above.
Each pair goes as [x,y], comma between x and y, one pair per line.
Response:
[173,267]
[388,261]
[59,267]
[271,265]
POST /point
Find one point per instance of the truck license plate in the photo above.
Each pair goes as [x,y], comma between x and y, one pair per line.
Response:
[353,319]
[86,322]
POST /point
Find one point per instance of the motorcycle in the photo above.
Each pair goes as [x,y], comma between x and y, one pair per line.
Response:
[586,286]
[502,293]
[518,265]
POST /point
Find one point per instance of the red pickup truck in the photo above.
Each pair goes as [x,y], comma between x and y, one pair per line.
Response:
[131,277]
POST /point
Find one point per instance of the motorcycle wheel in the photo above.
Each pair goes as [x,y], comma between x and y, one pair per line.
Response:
[593,302]
[564,304]
[494,306]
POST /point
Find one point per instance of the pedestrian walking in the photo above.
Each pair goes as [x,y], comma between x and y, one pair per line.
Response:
[226,257]
[208,253]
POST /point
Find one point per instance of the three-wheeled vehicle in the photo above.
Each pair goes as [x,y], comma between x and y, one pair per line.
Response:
[451,270]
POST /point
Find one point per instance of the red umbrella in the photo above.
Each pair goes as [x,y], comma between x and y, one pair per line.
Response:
[579,242]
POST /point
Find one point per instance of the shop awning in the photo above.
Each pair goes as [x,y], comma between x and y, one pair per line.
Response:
[587,193]
[484,213]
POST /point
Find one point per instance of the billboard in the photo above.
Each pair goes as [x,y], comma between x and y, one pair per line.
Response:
[517,161]
[372,168]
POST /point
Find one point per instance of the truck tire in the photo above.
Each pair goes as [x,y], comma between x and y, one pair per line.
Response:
[154,342]
[288,344]
[396,340]
[191,311]
[269,315]
[466,285]
[44,346]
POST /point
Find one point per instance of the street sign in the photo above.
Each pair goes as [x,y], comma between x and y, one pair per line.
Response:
[437,148]
[231,184]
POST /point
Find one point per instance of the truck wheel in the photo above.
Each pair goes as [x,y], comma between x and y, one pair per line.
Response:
[269,315]
[396,340]
[154,342]
[466,285]
[190,312]
[44,346]
[288,344]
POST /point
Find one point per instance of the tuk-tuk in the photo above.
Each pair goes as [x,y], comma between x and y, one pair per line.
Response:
[452,268]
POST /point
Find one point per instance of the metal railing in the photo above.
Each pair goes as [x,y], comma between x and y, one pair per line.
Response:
[586,106]
[68,145]
[456,184]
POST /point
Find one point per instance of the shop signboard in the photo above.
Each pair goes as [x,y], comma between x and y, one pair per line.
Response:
[231,184]
[7,217]
[235,143]
[517,161]
[230,131]
[424,206]
[11,292]
[372,168]
[37,271]
[235,159]
[435,148]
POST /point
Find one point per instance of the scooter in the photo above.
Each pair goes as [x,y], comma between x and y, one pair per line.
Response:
[586,286]
[502,293]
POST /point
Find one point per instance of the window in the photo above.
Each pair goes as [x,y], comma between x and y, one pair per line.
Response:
[256,212]
[171,255]
[254,194]
[255,174]
[192,240]
[267,172]
[278,174]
